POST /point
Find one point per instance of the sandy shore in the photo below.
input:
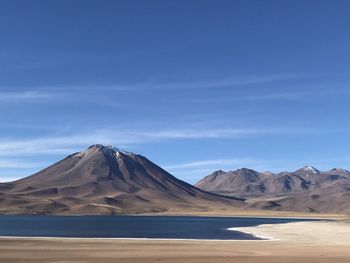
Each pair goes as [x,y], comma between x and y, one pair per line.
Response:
[320,242]
[316,233]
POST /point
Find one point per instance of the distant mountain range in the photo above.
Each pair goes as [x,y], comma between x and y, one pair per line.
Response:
[306,189]
[106,180]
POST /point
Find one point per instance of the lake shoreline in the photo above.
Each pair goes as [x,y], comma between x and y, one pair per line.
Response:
[297,247]
[312,232]
[265,233]
[127,239]
[286,215]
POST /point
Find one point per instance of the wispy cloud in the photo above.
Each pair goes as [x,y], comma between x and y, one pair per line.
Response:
[72,142]
[154,84]
[313,94]
[16,168]
[274,96]
[217,83]
[72,95]
[22,96]
[209,163]
[286,96]
[17,164]
[72,92]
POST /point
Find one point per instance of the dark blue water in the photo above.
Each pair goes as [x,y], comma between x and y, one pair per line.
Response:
[175,227]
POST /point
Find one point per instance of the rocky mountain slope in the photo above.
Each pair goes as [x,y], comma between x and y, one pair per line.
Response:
[305,190]
[105,180]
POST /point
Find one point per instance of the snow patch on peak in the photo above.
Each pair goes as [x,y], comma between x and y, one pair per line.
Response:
[311,169]
[117,151]
[79,154]
[109,149]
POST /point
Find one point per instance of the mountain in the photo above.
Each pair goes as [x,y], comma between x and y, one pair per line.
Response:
[240,181]
[106,180]
[306,189]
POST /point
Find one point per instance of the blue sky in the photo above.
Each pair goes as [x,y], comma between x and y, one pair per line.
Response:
[195,86]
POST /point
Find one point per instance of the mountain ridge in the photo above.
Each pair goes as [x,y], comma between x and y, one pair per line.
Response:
[105,180]
[304,190]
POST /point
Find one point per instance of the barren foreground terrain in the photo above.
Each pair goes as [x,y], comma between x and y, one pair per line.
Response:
[292,246]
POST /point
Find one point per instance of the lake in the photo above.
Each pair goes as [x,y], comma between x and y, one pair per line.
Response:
[167,227]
